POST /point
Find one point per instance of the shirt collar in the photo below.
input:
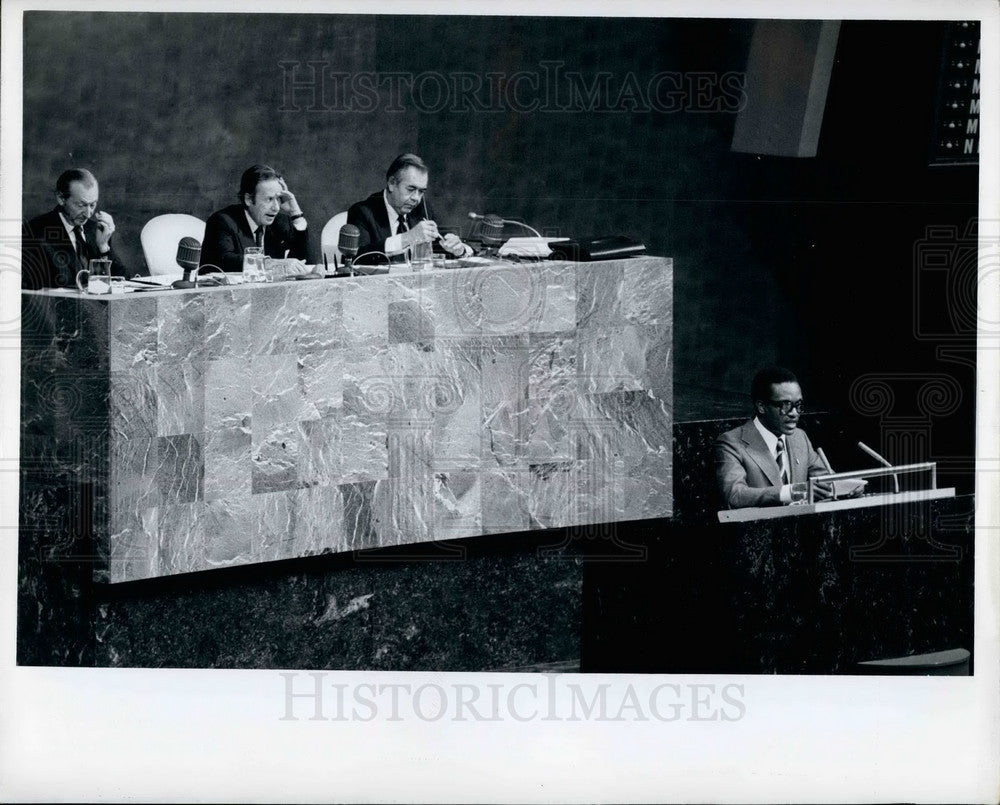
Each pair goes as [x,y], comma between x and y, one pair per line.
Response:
[66,222]
[254,226]
[769,438]
[393,215]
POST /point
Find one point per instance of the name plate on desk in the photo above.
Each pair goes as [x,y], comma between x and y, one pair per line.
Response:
[820,507]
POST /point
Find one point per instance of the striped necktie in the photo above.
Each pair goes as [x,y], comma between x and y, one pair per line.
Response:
[782,457]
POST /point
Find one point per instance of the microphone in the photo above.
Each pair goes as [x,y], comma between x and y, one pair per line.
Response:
[477,217]
[826,463]
[350,239]
[188,254]
[491,232]
[882,461]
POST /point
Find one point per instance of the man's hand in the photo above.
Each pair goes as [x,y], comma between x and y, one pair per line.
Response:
[824,490]
[858,490]
[105,229]
[424,232]
[452,244]
[287,200]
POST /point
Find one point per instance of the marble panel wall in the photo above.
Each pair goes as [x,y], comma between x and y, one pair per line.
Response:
[248,424]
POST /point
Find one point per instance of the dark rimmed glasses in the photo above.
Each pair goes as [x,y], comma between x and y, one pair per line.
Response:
[786,406]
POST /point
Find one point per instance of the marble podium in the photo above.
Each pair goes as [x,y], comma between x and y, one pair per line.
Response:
[190,430]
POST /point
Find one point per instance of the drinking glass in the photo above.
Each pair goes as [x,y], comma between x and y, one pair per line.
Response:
[253,264]
[420,256]
[96,277]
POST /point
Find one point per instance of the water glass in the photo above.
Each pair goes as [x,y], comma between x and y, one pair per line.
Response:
[420,256]
[96,278]
[253,264]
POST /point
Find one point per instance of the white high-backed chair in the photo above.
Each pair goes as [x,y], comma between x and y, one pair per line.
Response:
[160,237]
[331,238]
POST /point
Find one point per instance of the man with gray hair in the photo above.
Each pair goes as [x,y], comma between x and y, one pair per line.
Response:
[394,219]
[60,243]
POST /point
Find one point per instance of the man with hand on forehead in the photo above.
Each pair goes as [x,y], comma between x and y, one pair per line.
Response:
[768,460]
[268,216]
[60,243]
[395,218]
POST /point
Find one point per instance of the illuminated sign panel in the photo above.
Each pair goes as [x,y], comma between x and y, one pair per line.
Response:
[955,139]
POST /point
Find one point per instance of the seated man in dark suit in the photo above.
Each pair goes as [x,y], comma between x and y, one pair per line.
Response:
[268,215]
[767,460]
[395,218]
[60,243]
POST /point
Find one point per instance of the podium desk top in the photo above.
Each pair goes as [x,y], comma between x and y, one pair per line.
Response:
[365,274]
[820,507]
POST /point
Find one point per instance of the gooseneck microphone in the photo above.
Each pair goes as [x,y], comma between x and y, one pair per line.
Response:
[882,461]
[188,254]
[491,231]
[350,239]
[497,219]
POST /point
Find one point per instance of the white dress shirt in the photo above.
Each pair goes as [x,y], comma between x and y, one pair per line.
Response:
[72,234]
[298,224]
[772,444]
[254,226]
[394,243]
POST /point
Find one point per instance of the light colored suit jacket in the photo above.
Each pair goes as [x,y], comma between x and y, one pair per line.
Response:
[747,473]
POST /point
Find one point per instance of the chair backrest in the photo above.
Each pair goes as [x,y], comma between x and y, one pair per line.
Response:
[160,237]
[331,237]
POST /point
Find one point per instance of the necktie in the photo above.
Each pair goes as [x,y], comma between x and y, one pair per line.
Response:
[258,236]
[401,225]
[782,460]
[81,246]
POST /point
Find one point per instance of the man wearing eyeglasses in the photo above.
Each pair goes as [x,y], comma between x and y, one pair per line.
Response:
[767,461]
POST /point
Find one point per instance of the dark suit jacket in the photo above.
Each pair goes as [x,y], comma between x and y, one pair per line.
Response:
[227,233]
[48,259]
[747,473]
[372,219]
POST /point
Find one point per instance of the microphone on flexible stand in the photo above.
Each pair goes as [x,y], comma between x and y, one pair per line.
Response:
[882,461]
[477,217]
[347,245]
[188,254]
[491,233]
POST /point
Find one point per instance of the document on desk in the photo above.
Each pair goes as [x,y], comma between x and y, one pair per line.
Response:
[469,262]
[159,282]
[528,247]
[845,487]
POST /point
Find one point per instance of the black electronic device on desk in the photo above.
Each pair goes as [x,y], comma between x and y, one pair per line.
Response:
[605,247]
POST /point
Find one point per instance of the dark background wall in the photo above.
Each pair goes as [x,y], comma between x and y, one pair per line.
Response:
[816,263]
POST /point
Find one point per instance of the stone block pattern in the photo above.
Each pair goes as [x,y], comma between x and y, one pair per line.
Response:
[250,424]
